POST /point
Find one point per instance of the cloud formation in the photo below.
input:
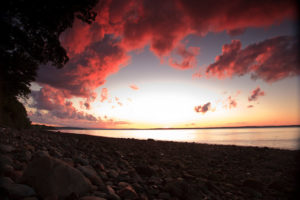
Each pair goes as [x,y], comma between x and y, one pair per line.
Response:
[86,71]
[255,94]
[163,24]
[203,108]
[231,102]
[188,57]
[54,103]
[270,60]
[85,105]
[104,94]
[102,48]
[134,87]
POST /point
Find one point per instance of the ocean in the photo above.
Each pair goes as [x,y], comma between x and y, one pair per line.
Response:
[280,137]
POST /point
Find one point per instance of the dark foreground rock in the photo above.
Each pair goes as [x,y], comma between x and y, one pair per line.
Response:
[50,176]
[36,165]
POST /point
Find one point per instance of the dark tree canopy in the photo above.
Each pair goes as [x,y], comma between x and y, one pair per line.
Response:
[30,31]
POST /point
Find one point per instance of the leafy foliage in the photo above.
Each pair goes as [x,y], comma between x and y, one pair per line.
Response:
[30,33]
[15,114]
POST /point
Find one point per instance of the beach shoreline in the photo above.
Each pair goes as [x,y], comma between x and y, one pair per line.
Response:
[148,169]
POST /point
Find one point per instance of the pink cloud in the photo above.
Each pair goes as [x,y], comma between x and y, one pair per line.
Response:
[188,57]
[84,105]
[197,75]
[203,108]
[271,60]
[139,22]
[86,71]
[134,87]
[255,94]
[54,102]
[231,102]
[102,48]
[104,94]
[234,16]
[95,53]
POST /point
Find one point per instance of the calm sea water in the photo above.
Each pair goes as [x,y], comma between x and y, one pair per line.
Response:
[283,138]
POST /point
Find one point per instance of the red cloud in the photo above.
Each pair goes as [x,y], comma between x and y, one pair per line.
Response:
[197,75]
[85,105]
[204,108]
[188,57]
[104,94]
[270,60]
[54,102]
[95,53]
[237,31]
[134,87]
[86,71]
[232,102]
[162,24]
[220,15]
[255,94]
[39,117]
[173,20]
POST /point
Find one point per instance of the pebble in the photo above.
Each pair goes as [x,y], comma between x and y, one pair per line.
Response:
[81,161]
[133,169]
[145,171]
[20,190]
[90,173]
[91,198]
[164,195]
[5,160]
[113,173]
[123,184]
[4,181]
[128,193]
[253,184]
[112,193]
[6,148]
[30,198]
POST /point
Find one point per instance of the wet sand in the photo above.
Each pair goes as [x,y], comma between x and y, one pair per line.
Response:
[141,169]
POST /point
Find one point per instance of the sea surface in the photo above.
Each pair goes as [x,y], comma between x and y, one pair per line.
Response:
[282,138]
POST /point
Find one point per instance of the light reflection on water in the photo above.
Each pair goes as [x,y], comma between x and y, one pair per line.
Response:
[283,138]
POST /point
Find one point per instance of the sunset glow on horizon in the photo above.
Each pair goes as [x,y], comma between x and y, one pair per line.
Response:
[166,65]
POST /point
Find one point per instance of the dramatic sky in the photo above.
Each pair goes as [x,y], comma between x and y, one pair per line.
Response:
[175,63]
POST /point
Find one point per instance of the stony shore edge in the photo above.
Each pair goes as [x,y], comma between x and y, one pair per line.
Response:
[52,165]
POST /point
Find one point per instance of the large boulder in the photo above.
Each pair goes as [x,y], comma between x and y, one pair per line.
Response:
[50,176]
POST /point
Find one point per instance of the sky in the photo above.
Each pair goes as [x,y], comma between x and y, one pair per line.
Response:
[171,64]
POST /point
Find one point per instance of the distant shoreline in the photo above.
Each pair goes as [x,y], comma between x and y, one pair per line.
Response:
[226,127]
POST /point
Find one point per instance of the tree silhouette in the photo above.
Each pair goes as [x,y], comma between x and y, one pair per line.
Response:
[29,37]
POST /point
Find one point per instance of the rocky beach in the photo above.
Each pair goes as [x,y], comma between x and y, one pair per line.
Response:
[50,165]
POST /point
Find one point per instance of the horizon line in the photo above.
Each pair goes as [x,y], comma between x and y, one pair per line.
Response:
[221,127]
